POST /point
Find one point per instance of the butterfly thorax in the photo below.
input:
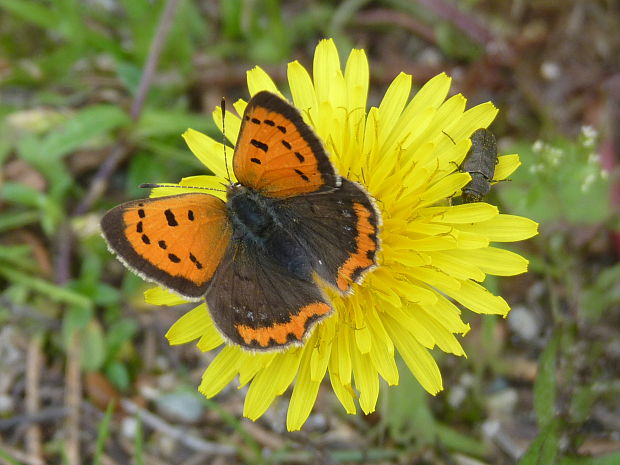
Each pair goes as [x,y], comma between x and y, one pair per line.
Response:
[251,214]
[264,224]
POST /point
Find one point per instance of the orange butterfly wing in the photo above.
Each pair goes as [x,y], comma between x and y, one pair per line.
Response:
[176,241]
[277,153]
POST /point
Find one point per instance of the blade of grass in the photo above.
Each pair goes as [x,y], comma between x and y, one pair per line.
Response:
[14,220]
[139,443]
[53,291]
[103,432]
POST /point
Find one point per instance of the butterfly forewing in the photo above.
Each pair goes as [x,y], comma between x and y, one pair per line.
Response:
[175,241]
[277,153]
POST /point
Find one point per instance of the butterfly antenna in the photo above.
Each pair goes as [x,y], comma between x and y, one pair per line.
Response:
[153,186]
[223,107]
[449,137]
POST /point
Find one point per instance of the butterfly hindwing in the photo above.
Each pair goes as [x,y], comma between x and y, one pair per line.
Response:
[277,153]
[176,241]
[258,304]
[340,231]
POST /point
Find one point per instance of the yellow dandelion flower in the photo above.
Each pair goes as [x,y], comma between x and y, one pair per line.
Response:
[433,257]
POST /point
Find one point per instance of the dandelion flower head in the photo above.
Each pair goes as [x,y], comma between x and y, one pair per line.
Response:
[434,255]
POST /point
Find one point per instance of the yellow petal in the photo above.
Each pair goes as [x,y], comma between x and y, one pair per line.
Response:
[208,151]
[480,116]
[495,261]
[465,213]
[252,363]
[417,358]
[190,326]
[302,90]
[504,228]
[259,80]
[431,95]
[344,355]
[269,383]
[392,105]
[506,165]
[304,393]
[233,124]
[477,299]
[345,394]
[456,266]
[438,129]
[448,314]
[445,188]
[221,371]
[366,381]
[356,76]
[444,339]
[326,69]
[210,340]
[161,296]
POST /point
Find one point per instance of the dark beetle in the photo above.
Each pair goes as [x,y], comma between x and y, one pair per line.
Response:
[480,164]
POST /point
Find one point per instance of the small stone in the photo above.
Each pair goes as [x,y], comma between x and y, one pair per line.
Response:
[524,323]
[180,406]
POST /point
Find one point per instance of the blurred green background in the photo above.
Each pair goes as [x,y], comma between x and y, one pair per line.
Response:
[80,352]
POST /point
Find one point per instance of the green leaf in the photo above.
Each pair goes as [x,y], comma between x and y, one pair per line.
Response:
[157,123]
[9,458]
[76,319]
[602,295]
[92,343]
[611,459]
[545,384]
[129,74]
[118,375]
[76,132]
[15,219]
[230,15]
[456,441]
[51,291]
[118,334]
[544,448]
[32,12]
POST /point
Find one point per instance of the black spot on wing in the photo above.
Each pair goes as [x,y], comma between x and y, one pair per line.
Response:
[300,157]
[170,218]
[146,239]
[269,122]
[282,129]
[139,227]
[162,245]
[195,261]
[286,144]
[141,213]
[255,160]
[259,145]
[190,215]
[303,176]
[173,258]
[255,120]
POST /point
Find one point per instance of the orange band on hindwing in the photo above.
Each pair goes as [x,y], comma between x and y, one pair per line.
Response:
[366,249]
[282,333]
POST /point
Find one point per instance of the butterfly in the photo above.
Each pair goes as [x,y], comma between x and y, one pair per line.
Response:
[289,224]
